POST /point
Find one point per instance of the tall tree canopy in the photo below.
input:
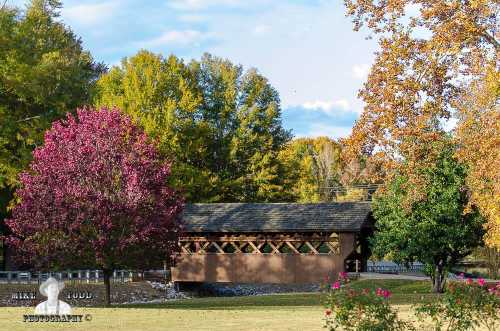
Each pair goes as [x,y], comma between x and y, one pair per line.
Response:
[478,136]
[221,124]
[44,73]
[311,164]
[432,54]
[439,230]
[95,196]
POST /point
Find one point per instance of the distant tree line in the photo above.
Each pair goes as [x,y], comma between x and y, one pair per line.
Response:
[220,127]
[218,124]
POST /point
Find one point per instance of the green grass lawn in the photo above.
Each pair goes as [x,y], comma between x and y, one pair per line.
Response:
[297,311]
[404,292]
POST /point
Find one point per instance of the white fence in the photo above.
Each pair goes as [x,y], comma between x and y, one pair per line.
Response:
[81,276]
[389,267]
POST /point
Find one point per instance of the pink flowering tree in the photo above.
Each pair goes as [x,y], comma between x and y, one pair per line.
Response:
[95,195]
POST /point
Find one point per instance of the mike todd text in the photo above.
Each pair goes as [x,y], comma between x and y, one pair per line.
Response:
[72,295]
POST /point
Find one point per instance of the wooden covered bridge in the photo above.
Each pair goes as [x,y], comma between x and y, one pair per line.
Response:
[272,242]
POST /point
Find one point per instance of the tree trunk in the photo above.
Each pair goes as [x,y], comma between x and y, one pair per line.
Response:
[107,285]
[438,279]
[4,256]
[492,256]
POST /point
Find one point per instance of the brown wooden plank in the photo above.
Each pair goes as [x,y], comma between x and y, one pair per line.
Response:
[334,248]
[255,249]
[275,249]
[201,249]
[313,249]
[292,247]
[221,251]
[259,238]
[236,247]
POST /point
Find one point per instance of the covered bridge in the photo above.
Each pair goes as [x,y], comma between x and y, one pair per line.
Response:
[272,242]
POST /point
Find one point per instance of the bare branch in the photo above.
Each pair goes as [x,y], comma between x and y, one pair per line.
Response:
[29,119]
[491,40]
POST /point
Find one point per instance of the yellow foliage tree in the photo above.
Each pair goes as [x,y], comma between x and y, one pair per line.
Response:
[478,135]
[311,164]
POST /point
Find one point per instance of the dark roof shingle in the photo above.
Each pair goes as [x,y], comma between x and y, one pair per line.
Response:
[275,217]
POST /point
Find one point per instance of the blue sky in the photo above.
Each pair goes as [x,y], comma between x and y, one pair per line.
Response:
[307,49]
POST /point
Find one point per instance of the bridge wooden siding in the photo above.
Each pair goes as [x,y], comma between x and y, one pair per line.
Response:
[271,243]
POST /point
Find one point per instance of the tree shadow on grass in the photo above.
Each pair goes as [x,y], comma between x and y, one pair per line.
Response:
[238,303]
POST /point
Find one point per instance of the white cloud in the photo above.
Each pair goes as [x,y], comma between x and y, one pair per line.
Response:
[261,29]
[89,14]
[192,18]
[203,4]
[293,55]
[333,131]
[178,37]
[360,71]
[328,107]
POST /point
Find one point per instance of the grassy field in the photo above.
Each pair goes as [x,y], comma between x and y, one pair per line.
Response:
[404,292]
[298,311]
[135,319]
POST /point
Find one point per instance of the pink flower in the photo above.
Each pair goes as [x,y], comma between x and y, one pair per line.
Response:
[379,292]
[328,312]
[336,285]
[469,281]
[480,281]
[343,275]
[461,276]
[386,293]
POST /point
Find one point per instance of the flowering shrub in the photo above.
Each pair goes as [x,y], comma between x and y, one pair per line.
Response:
[464,306]
[350,309]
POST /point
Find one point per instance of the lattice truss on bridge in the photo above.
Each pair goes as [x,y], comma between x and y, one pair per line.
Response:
[296,243]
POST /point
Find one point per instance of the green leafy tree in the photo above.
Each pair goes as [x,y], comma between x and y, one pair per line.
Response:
[258,138]
[439,229]
[162,95]
[221,124]
[311,165]
[44,73]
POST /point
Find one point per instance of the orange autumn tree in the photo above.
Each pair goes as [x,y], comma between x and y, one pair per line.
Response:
[478,135]
[433,53]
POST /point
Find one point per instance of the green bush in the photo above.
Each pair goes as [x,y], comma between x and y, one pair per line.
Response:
[464,306]
[359,310]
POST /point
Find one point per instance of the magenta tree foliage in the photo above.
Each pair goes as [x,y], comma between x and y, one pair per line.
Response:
[95,195]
